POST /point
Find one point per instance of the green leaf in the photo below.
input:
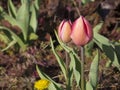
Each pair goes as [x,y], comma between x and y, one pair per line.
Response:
[97,28]
[93,74]
[23,18]
[11,9]
[33,36]
[88,48]
[53,85]
[101,39]
[70,78]
[89,86]
[25,1]
[9,45]
[98,44]
[12,21]
[112,55]
[1,9]
[117,50]
[116,61]
[4,38]
[76,65]
[33,19]
[59,60]
[37,3]
[17,38]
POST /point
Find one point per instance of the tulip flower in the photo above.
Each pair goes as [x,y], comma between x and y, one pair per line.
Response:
[81,31]
[64,31]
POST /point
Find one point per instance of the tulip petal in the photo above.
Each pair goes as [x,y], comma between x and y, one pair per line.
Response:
[88,28]
[81,31]
[64,31]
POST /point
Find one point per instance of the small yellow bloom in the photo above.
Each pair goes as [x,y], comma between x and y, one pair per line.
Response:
[41,84]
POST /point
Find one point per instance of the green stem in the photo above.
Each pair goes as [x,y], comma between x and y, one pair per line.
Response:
[82,69]
[67,61]
[67,70]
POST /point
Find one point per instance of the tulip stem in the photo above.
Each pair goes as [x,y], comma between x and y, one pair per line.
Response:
[67,69]
[67,61]
[82,69]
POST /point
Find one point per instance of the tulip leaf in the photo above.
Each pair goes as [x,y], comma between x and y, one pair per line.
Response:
[59,60]
[4,38]
[112,55]
[98,44]
[116,61]
[97,28]
[1,9]
[12,21]
[17,38]
[117,50]
[33,19]
[88,48]
[37,3]
[33,36]
[93,74]
[70,77]
[76,65]
[23,18]
[53,85]
[99,39]
[110,52]
[9,45]
[89,86]
[102,39]
[11,9]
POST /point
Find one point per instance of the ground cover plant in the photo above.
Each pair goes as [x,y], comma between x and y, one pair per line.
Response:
[59,45]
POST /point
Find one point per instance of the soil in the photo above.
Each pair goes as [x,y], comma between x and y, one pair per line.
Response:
[18,69]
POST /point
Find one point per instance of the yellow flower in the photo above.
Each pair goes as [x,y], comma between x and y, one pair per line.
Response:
[41,84]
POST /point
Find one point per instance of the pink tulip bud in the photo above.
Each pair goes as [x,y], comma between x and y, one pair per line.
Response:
[64,31]
[81,31]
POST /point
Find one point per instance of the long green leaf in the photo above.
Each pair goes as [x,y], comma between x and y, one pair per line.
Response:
[59,60]
[12,21]
[9,45]
[101,39]
[112,55]
[19,41]
[37,3]
[33,19]
[116,61]
[11,9]
[4,38]
[33,36]
[23,18]
[97,28]
[93,74]
[89,86]
[76,65]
